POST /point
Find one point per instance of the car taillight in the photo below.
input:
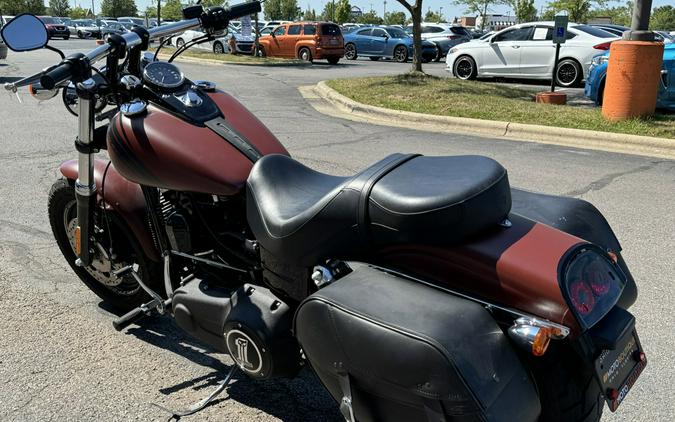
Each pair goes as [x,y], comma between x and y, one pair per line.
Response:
[453,37]
[318,40]
[603,46]
[591,282]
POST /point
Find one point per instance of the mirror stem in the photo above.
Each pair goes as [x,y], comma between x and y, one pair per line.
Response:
[49,47]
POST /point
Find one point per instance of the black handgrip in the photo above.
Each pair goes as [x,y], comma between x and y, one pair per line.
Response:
[61,73]
[242,9]
[127,319]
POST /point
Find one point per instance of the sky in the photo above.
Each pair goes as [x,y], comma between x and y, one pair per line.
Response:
[449,10]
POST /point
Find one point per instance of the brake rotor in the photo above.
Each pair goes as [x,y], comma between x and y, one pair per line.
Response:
[101,267]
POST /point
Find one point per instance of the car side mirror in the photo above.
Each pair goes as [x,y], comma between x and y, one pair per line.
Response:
[25,33]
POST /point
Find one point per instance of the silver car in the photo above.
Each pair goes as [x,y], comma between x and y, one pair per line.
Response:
[444,35]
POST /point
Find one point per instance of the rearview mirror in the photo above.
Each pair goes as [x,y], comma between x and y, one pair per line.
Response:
[24,33]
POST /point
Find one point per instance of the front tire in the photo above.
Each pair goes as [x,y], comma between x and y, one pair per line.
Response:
[401,54]
[122,293]
[305,55]
[80,35]
[439,54]
[180,42]
[218,48]
[465,68]
[350,52]
[569,73]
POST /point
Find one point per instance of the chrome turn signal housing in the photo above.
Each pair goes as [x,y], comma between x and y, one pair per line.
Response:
[534,336]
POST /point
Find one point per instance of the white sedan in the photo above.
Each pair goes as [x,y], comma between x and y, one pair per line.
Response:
[527,51]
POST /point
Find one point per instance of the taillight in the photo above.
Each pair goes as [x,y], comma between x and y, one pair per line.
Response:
[592,283]
[318,40]
[453,37]
[603,46]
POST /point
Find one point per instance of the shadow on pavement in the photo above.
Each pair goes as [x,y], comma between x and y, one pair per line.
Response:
[301,399]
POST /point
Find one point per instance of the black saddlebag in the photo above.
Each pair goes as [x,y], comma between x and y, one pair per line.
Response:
[392,349]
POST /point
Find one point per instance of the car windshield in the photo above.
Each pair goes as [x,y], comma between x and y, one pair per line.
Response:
[50,20]
[397,33]
[460,31]
[85,22]
[596,32]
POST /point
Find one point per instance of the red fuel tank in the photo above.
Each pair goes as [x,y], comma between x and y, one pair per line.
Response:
[162,150]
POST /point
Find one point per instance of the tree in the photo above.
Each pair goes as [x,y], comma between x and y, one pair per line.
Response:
[286,10]
[310,15]
[578,10]
[663,18]
[172,9]
[432,16]
[78,13]
[115,8]
[328,13]
[478,7]
[526,11]
[59,7]
[369,18]
[343,11]
[621,15]
[394,18]
[415,10]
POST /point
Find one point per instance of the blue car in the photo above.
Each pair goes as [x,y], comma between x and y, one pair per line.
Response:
[384,41]
[595,83]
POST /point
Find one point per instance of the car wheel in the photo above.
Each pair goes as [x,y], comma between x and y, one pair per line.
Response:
[218,48]
[180,42]
[439,54]
[374,58]
[261,51]
[305,55]
[79,34]
[333,60]
[568,73]
[601,93]
[66,37]
[465,68]
[350,52]
[401,54]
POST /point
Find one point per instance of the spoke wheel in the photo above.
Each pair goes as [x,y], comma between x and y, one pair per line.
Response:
[305,55]
[350,52]
[465,68]
[568,73]
[401,54]
[180,42]
[218,48]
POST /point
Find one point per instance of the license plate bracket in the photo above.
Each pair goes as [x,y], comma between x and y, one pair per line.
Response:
[617,370]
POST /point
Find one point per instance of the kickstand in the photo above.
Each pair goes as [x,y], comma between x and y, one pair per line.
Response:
[205,402]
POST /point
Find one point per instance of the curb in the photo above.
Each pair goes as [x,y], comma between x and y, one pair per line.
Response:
[577,138]
[188,59]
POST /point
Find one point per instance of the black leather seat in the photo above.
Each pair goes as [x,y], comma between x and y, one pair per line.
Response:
[304,216]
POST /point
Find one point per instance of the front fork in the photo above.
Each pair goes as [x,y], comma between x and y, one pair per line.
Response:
[85,185]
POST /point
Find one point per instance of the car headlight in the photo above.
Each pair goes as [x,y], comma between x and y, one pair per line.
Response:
[453,50]
[598,60]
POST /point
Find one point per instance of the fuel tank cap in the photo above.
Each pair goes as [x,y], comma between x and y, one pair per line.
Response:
[133,108]
[189,98]
[205,85]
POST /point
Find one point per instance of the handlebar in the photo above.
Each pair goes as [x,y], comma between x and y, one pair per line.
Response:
[213,19]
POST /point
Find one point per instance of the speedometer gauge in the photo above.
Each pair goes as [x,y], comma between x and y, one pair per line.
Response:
[163,75]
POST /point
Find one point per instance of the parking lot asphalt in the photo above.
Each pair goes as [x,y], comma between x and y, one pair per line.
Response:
[61,359]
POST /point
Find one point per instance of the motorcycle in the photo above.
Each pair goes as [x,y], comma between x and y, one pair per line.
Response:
[421,288]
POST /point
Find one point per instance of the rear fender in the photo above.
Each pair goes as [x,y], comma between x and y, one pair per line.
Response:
[123,197]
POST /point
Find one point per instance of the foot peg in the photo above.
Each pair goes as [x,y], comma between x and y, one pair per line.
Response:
[135,314]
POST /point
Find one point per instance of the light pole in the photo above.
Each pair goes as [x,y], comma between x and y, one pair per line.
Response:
[440,14]
[93,12]
[384,15]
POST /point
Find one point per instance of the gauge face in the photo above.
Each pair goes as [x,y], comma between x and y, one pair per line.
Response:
[163,74]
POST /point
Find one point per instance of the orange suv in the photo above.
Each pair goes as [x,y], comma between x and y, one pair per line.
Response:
[305,40]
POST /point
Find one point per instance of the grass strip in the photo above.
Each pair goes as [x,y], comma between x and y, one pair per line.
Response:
[488,101]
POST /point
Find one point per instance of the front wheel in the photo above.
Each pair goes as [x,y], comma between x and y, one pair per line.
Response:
[465,68]
[80,35]
[114,248]
[439,54]
[218,48]
[180,42]
[350,52]
[568,73]
[401,54]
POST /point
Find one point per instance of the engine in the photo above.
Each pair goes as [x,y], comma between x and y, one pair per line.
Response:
[250,323]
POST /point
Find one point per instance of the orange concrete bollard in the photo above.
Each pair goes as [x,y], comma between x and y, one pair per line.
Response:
[557,98]
[632,82]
